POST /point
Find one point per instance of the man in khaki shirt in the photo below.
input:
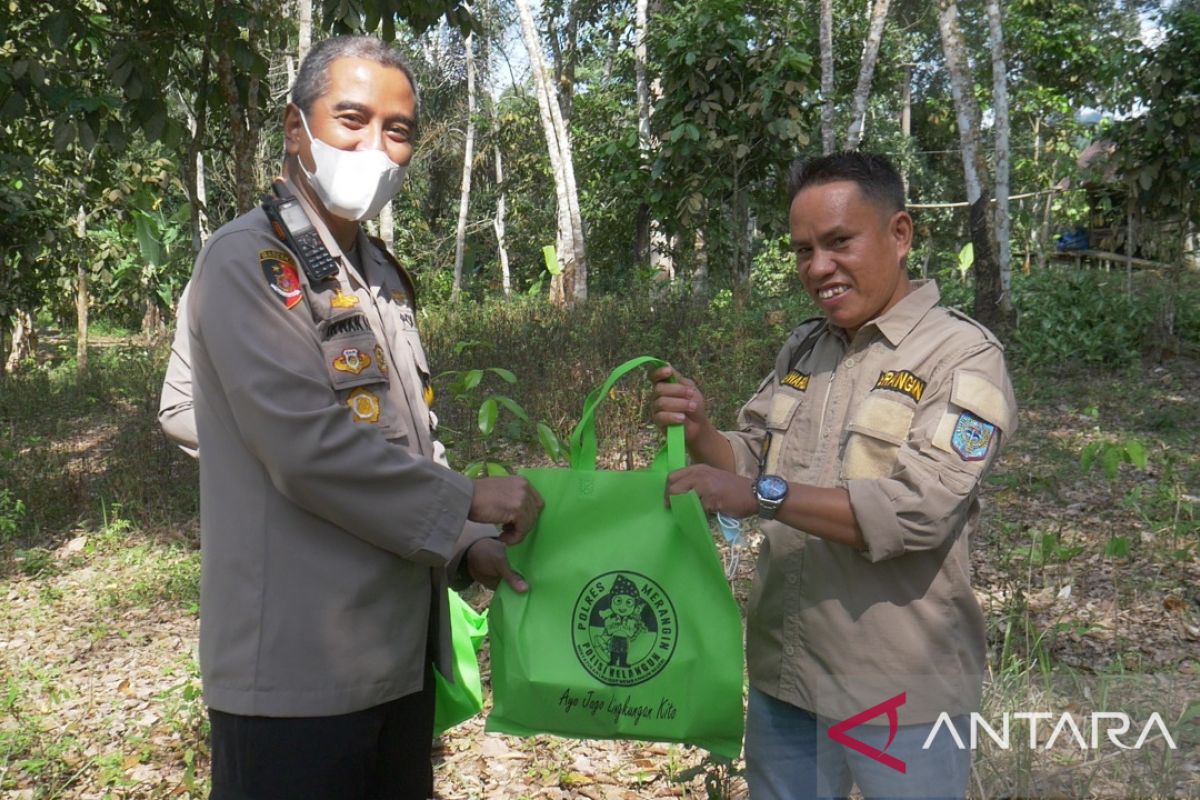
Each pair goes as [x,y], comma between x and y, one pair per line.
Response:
[862,452]
[327,517]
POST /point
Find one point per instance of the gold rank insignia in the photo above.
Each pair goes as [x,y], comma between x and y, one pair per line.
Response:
[281,275]
[380,361]
[796,380]
[343,300]
[901,381]
[364,405]
[352,360]
[429,395]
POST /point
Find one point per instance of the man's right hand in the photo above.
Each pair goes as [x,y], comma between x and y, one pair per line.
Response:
[510,502]
[678,402]
[681,402]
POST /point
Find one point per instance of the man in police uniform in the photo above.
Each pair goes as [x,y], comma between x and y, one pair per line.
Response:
[862,452]
[327,517]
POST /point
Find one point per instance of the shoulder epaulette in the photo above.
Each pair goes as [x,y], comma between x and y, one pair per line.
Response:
[806,335]
[987,334]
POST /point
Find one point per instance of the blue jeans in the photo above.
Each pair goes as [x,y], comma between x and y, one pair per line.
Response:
[789,756]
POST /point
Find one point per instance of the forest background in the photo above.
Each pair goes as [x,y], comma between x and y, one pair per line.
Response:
[594,181]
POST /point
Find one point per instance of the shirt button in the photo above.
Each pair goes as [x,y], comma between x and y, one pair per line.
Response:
[849,362]
[793,578]
[787,648]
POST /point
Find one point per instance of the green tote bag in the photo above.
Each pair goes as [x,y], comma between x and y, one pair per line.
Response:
[457,702]
[629,629]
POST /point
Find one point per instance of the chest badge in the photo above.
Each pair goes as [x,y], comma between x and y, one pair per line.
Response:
[795,379]
[380,361]
[903,382]
[364,405]
[352,360]
[281,275]
[972,438]
[341,300]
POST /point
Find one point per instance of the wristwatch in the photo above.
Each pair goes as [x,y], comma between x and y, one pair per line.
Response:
[770,491]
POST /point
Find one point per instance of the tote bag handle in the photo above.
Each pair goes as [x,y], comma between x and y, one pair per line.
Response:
[582,453]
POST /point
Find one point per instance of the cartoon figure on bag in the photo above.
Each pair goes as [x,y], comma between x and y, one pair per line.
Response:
[622,620]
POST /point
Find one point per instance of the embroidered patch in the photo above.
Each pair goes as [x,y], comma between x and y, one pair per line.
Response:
[364,405]
[796,380]
[380,361]
[972,437]
[901,381]
[352,360]
[281,276]
[343,300]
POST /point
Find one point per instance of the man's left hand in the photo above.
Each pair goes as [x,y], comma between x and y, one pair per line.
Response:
[487,562]
[719,490]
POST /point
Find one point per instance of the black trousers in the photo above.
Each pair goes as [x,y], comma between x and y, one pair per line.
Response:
[379,753]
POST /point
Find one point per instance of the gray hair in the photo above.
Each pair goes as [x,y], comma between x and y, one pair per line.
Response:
[313,79]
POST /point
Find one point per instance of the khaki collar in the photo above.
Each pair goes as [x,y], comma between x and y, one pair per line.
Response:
[899,320]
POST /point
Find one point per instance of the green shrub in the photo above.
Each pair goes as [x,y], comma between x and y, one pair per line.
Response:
[1089,317]
[559,355]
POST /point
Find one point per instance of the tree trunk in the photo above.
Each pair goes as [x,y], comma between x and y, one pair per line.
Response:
[987,277]
[828,137]
[1000,106]
[657,249]
[558,148]
[387,226]
[151,318]
[866,72]
[81,296]
[304,12]
[464,200]
[700,263]
[24,342]
[193,165]
[498,224]
[245,116]
[741,243]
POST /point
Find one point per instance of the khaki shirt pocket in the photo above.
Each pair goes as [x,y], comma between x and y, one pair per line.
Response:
[970,429]
[875,437]
[358,374]
[783,455]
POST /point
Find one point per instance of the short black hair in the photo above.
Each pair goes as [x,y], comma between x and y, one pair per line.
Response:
[874,175]
[312,81]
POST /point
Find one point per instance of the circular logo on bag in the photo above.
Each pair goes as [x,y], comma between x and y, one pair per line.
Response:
[623,628]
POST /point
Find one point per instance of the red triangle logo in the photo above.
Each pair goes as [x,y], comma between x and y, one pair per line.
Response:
[838,732]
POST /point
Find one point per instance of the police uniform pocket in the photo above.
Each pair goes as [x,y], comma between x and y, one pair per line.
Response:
[876,434]
[413,340]
[358,373]
[352,359]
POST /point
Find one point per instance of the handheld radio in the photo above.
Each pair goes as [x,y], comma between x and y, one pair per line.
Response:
[293,226]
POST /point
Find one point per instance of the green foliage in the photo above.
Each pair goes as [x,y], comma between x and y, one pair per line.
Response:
[562,354]
[730,118]
[12,511]
[1111,455]
[1088,317]
[1158,149]
[464,389]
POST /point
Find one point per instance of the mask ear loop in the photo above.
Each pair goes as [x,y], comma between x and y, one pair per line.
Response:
[731,529]
[311,139]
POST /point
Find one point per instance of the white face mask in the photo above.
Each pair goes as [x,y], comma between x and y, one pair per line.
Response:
[352,184]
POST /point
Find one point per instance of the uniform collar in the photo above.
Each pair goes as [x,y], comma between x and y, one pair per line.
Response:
[899,320]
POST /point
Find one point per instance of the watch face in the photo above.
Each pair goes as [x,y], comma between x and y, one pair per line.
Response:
[772,487]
